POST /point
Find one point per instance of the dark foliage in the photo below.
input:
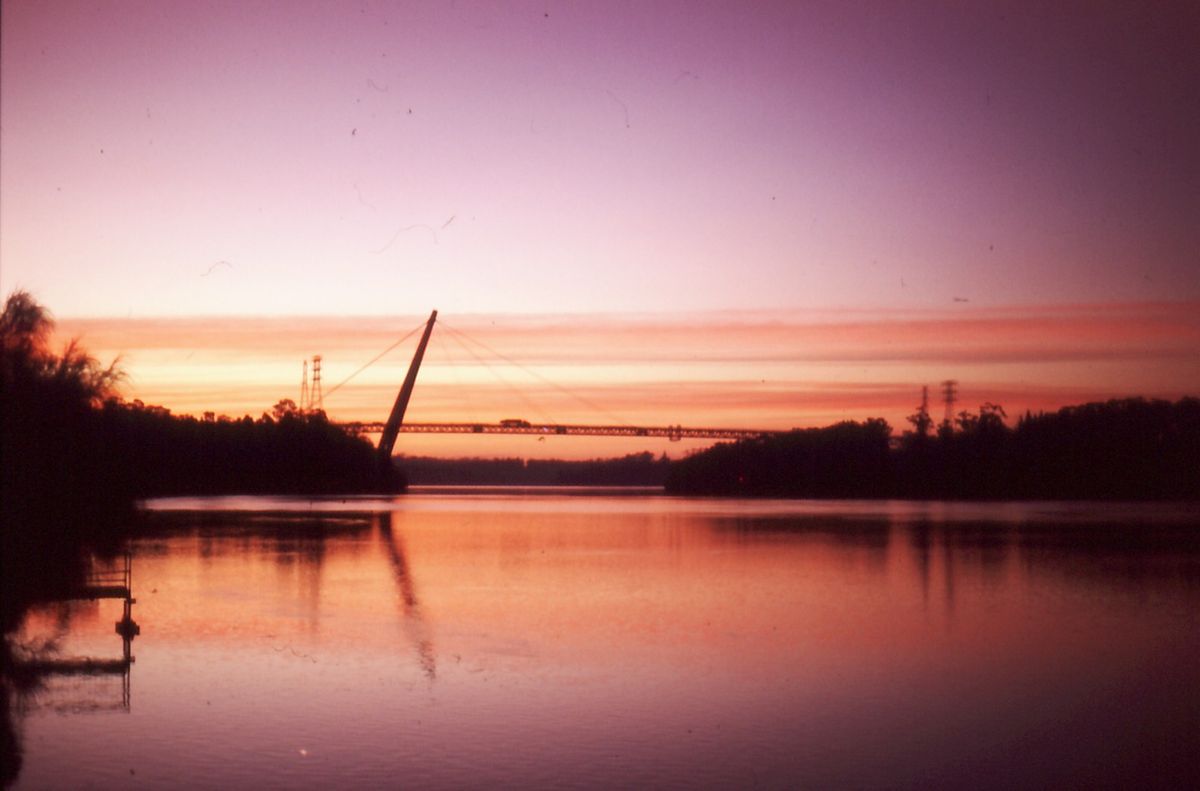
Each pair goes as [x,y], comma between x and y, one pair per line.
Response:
[637,469]
[48,517]
[844,460]
[1131,449]
[74,458]
[288,453]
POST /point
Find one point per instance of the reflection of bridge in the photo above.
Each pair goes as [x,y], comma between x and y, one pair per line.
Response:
[389,430]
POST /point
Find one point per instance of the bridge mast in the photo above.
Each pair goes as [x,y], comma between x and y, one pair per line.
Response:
[388,440]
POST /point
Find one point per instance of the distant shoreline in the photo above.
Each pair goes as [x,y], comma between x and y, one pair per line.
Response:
[1130,449]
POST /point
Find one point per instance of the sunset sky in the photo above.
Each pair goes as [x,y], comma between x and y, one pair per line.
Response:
[765,215]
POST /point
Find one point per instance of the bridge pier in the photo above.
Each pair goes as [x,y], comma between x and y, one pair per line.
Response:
[388,439]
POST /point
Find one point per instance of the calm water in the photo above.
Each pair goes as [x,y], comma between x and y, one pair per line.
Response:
[580,640]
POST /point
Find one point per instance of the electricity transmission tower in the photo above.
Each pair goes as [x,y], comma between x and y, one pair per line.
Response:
[950,396]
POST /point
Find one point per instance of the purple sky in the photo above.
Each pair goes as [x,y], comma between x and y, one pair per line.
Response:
[597,157]
[605,163]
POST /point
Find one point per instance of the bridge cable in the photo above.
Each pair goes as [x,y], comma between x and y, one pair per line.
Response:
[459,337]
[460,385]
[374,360]
[586,402]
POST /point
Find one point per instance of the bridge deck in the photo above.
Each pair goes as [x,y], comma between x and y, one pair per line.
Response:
[670,432]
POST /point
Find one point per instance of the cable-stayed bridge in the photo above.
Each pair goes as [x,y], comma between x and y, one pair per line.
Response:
[395,425]
[673,433]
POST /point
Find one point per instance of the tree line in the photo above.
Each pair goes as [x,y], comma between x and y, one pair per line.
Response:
[75,457]
[635,469]
[1126,449]
[69,438]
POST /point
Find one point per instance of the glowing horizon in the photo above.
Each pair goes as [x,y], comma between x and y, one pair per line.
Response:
[779,216]
[770,371]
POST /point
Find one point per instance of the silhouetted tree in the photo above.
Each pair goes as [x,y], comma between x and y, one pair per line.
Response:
[921,421]
[848,459]
[1130,449]
[285,408]
[25,328]
[75,457]
[992,417]
[48,407]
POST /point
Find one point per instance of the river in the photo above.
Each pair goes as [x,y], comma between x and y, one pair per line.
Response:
[576,638]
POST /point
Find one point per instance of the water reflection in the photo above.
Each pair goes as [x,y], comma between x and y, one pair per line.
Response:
[412,620]
[869,533]
[921,539]
[607,641]
[1137,554]
[38,672]
[1059,540]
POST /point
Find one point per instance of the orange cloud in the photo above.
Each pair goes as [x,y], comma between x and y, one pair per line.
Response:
[719,369]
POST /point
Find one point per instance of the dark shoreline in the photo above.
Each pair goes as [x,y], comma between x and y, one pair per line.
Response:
[1130,449]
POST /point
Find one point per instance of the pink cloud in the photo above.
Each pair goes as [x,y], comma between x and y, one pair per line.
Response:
[721,369]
